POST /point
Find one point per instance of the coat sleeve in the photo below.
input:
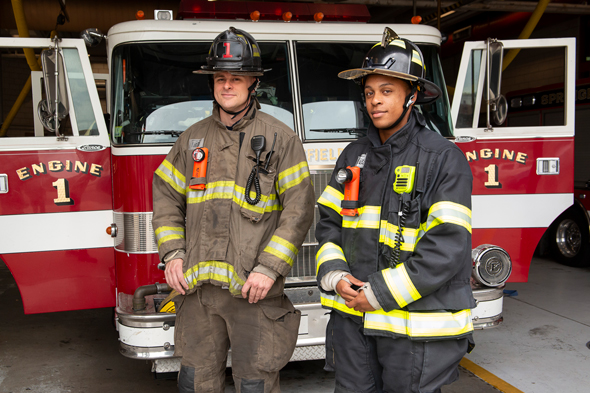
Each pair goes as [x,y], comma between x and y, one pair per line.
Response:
[444,246]
[295,192]
[169,197]
[330,255]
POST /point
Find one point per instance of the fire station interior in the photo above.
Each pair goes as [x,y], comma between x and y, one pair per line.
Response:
[543,344]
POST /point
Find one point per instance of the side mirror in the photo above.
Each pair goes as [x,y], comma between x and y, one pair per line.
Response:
[56,103]
[496,102]
[92,37]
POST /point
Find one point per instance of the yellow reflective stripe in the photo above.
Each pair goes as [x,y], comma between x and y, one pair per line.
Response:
[331,198]
[337,303]
[167,172]
[164,234]
[282,249]
[388,232]
[416,58]
[267,204]
[420,324]
[400,285]
[368,217]
[217,271]
[328,252]
[448,212]
[400,43]
[214,190]
[292,177]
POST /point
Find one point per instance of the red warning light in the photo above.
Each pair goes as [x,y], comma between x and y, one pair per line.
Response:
[416,19]
[287,16]
[318,16]
[139,15]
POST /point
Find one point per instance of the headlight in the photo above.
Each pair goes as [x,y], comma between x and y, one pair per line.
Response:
[491,265]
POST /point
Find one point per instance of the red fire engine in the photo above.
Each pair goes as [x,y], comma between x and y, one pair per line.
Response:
[75,191]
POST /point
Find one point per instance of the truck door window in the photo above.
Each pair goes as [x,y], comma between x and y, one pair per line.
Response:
[531,69]
[84,115]
[15,72]
[156,94]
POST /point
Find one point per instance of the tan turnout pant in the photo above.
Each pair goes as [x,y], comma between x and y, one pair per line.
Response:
[262,337]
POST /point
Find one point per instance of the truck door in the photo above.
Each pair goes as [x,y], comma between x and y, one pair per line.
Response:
[55,192]
[522,165]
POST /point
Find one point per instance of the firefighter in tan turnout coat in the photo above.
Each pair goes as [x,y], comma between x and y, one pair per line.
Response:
[233,201]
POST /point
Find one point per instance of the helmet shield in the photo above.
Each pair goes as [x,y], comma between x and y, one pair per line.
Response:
[234,51]
[399,58]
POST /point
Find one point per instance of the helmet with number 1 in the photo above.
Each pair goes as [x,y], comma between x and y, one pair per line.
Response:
[399,58]
[234,51]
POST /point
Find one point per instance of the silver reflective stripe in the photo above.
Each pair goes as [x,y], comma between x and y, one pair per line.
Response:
[287,253]
[369,217]
[420,324]
[292,179]
[172,176]
[400,285]
[225,190]
[214,271]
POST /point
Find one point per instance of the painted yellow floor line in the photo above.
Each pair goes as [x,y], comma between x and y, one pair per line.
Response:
[488,377]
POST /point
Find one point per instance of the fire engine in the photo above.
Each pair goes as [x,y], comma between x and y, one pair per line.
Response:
[568,238]
[75,190]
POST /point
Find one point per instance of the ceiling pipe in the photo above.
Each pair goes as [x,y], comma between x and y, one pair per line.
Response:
[527,31]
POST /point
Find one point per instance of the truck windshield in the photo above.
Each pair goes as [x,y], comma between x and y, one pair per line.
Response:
[156,95]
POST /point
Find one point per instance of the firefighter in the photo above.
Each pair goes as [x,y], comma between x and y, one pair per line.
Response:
[233,202]
[394,262]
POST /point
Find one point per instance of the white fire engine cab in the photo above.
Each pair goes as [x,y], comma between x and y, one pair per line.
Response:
[75,191]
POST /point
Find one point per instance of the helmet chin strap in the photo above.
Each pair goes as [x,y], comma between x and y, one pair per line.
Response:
[249,103]
[407,105]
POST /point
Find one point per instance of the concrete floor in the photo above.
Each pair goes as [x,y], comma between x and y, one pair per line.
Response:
[541,347]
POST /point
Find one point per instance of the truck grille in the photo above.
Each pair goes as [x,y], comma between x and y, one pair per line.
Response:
[304,266]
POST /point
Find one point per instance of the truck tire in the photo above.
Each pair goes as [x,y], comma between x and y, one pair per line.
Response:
[569,240]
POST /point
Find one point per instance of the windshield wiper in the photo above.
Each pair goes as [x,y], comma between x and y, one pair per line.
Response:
[351,131]
[161,132]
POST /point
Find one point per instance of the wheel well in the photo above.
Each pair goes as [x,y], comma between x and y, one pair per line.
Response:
[577,209]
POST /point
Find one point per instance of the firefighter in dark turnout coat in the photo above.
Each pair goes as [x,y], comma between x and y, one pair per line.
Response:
[396,273]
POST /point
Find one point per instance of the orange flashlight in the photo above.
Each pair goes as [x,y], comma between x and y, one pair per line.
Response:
[350,177]
[199,179]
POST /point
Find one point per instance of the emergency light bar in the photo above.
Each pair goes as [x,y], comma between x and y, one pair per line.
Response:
[232,10]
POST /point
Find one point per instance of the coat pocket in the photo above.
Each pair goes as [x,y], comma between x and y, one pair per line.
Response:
[268,197]
[402,243]
[279,329]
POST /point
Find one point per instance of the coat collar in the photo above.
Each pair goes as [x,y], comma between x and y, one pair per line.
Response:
[400,139]
[243,122]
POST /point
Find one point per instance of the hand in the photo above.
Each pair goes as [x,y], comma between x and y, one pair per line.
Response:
[174,276]
[343,288]
[258,284]
[360,303]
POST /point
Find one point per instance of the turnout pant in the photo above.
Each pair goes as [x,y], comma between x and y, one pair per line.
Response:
[371,364]
[262,337]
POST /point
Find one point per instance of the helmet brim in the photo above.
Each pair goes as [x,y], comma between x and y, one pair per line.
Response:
[430,92]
